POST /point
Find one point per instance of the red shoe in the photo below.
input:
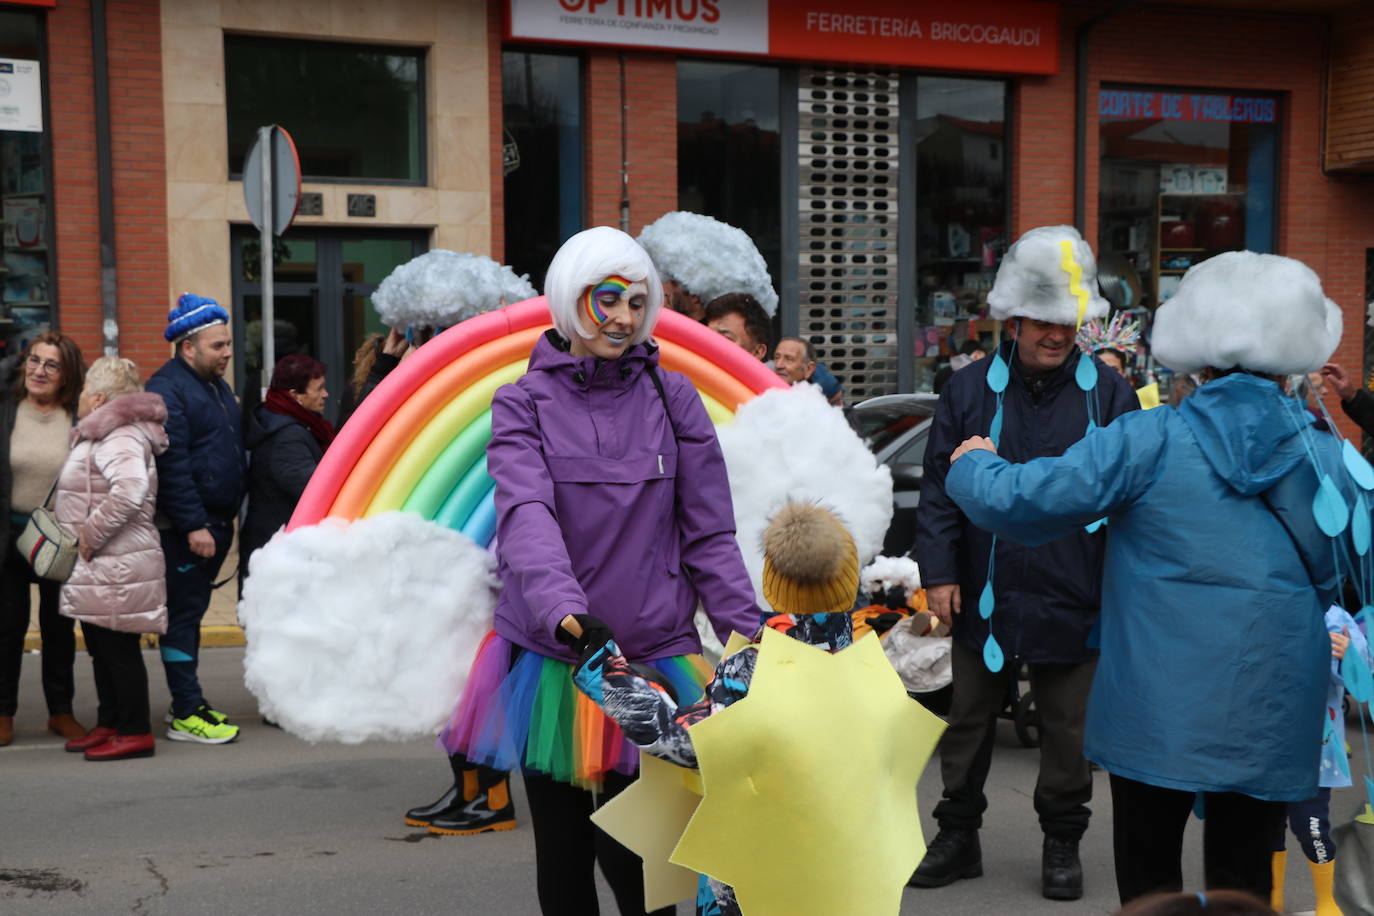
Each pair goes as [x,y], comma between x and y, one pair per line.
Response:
[98,736]
[121,747]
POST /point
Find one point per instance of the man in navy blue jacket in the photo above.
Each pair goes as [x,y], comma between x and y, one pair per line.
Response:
[1038,392]
[200,486]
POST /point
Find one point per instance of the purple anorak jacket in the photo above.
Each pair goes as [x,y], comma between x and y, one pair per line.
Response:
[601,509]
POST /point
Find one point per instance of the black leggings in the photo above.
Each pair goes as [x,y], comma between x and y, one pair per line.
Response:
[567,846]
[1147,839]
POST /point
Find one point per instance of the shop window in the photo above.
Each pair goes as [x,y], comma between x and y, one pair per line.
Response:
[26,262]
[961,215]
[356,113]
[729,151]
[541,156]
[1184,175]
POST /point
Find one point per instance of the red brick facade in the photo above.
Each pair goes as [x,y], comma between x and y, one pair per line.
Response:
[1325,221]
[140,185]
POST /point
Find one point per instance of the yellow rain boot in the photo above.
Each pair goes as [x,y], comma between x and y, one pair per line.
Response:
[1323,877]
[1277,868]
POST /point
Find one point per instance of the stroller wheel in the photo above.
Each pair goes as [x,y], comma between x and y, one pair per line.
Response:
[1026,718]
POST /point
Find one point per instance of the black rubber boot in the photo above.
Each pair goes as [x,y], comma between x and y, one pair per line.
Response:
[490,812]
[1060,870]
[450,804]
[952,855]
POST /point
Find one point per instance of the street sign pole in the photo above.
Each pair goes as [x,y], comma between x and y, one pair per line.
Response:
[265,257]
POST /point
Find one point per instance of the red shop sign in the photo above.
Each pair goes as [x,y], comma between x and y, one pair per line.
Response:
[50,4]
[1002,36]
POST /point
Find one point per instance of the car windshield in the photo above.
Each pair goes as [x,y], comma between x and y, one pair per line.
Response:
[878,439]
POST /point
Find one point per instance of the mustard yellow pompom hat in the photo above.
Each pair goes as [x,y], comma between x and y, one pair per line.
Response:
[810,564]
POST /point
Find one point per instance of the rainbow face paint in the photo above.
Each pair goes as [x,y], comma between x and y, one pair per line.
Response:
[613,285]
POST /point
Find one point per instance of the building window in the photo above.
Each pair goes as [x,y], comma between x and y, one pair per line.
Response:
[729,151]
[541,156]
[26,262]
[356,113]
[1184,175]
[961,215]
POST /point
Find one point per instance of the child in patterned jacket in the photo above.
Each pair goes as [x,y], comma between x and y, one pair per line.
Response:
[811,579]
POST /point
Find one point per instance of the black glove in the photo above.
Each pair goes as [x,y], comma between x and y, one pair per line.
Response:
[884,622]
[595,634]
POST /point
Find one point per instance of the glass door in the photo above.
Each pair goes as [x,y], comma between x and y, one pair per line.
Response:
[322,281]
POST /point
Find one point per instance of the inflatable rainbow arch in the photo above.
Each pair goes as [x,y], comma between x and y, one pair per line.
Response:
[418,443]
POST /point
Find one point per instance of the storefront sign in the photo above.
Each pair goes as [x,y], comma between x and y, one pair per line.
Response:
[694,25]
[1003,36]
[21,95]
[1133,104]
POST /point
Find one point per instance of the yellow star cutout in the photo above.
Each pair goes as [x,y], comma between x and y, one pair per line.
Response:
[648,819]
[810,784]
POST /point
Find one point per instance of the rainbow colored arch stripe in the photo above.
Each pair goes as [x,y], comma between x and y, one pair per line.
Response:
[418,443]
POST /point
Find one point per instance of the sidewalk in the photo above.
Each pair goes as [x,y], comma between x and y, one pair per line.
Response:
[219,628]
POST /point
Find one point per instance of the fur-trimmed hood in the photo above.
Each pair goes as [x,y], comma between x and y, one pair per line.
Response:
[144,409]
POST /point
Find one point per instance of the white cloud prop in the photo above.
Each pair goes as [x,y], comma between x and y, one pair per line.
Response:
[1031,283]
[1261,312]
[708,257]
[365,630]
[792,445]
[441,288]
[885,572]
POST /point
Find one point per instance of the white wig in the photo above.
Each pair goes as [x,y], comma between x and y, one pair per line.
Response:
[1034,282]
[584,261]
[709,258]
[1261,312]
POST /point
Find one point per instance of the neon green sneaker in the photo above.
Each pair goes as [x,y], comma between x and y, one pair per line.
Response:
[202,726]
[215,714]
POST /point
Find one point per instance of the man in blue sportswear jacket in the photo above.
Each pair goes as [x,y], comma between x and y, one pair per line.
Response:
[200,486]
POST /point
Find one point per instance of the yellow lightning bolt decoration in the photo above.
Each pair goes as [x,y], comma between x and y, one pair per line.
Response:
[1075,272]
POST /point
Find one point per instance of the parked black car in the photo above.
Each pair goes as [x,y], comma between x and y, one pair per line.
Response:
[896,427]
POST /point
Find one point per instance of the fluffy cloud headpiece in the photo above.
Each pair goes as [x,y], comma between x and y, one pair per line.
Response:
[441,288]
[1049,274]
[708,257]
[1261,312]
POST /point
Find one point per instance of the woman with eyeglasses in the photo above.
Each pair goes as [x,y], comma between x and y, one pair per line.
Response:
[36,416]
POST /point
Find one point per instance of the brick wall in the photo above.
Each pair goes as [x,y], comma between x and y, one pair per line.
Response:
[1323,221]
[140,187]
[495,30]
[651,116]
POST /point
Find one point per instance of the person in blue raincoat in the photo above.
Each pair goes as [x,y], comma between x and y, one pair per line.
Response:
[1219,568]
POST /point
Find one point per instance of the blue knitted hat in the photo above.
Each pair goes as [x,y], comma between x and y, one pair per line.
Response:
[193,313]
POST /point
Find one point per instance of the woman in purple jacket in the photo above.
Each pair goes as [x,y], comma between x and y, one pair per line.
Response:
[612,500]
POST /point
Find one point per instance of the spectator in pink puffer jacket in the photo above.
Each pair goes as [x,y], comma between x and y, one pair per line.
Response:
[117,590]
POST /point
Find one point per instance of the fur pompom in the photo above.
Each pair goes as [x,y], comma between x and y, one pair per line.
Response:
[807,543]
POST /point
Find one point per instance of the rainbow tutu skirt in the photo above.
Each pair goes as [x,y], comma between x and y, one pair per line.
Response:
[528,712]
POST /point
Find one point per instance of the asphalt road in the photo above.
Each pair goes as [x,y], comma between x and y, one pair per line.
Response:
[272,825]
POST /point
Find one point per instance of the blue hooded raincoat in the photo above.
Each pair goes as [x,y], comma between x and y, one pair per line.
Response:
[1215,656]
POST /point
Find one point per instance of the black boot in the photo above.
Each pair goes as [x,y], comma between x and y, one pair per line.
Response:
[491,811]
[1060,870]
[952,855]
[450,804]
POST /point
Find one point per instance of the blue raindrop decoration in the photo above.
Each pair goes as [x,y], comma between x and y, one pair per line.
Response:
[1085,374]
[995,427]
[998,373]
[992,654]
[1329,508]
[986,602]
[1359,468]
[1093,526]
[1359,682]
[1359,525]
